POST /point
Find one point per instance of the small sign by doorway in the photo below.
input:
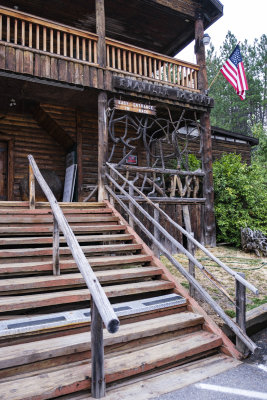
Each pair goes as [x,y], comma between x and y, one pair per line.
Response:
[132,160]
[135,107]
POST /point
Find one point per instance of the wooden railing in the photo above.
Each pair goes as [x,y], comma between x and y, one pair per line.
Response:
[132,60]
[165,182]
[21,29]
[243,341]
[101,309]
[40,35]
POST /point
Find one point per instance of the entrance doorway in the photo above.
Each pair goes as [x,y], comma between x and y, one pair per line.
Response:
[3,171]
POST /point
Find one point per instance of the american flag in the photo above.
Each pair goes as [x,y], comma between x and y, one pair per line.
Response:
[234,73]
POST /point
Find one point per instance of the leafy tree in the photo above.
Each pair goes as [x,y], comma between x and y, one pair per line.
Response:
[230,112]
[240,197]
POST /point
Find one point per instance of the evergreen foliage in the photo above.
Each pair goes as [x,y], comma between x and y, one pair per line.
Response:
[230,112]
[240,198]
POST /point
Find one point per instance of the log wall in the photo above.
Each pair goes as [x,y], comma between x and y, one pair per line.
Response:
[29,138]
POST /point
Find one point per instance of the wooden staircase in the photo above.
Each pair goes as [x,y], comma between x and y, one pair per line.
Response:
[43,360]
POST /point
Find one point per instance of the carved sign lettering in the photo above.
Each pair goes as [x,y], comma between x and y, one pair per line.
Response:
[166,92]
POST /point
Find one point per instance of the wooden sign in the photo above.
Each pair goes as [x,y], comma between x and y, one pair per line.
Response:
[135,107]
[166,92]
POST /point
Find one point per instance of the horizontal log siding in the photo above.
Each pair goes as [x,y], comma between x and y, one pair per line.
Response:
[29,138]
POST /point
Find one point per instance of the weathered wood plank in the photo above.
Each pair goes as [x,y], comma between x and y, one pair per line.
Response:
[73,296]
[46,386]
[50,281]
[49,240]
[40,229]
[19,61]
[28,62]
[39,252]
[10,58]
[38,267]
[24,353]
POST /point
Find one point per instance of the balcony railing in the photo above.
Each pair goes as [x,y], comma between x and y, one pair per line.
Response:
[39,35]
[149,65]
[44,36]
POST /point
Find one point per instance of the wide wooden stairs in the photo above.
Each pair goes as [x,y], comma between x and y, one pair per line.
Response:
[45,353]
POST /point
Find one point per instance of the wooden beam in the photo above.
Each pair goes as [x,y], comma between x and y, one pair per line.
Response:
[206,142]
[101,32]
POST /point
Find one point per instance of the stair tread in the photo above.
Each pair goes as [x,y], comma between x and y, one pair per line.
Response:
[41,266]
[70,379]
[49,229]
[47,211]
[49,240]
[75,278]
[31,352]
[10,303]
[44,251]
[48,219]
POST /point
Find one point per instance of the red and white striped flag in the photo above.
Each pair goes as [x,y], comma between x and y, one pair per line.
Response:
[234,73]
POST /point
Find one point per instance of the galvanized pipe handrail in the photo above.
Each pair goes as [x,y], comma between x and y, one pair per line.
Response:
[235,328]
[190,237]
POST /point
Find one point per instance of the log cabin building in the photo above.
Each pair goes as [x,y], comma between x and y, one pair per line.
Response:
[95,84]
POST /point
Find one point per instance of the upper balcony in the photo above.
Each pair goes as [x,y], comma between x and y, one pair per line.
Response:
[42,48]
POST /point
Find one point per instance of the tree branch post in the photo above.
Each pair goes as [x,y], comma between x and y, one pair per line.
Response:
[205,139]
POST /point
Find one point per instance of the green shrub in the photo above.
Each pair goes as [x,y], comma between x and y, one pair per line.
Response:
[240,198]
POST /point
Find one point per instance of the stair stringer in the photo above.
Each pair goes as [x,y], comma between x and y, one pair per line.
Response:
[210,325]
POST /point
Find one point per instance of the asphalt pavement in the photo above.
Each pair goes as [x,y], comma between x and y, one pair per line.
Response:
[246,381]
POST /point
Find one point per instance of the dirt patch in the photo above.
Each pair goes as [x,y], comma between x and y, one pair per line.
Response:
[255,270]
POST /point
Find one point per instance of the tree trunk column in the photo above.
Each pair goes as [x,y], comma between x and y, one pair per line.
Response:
[102,100]
[206,143]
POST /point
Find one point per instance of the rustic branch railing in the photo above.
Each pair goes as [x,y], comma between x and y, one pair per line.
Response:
[239,331]
[182,184]
[101,309]
[41,35]
[137,61]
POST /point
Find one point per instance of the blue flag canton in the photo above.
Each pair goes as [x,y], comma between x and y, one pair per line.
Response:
[235,57]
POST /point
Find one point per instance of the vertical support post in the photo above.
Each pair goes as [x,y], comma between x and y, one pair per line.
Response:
[98,386]
[79,155]
[131,206]
[156,231]
[102,144]
[56,266]
[191,265]
[241,312]
[101,32]
[206,143]
[31,189]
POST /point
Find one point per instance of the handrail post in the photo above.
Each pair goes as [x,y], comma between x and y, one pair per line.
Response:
[131,206]
[31,189]
[241,312]
[56,266]
[156,232]
[191,265]
[98,384]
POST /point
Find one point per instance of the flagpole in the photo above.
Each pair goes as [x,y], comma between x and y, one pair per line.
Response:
[214,79]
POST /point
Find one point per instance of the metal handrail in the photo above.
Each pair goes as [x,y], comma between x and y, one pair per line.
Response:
[190,237]
[235,328]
